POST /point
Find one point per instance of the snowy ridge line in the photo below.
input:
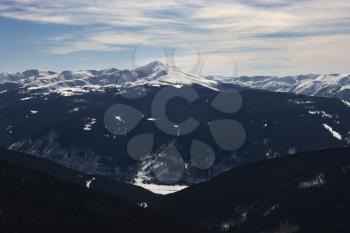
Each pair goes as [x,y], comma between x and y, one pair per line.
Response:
[158,74]
[325,85]
[78,82]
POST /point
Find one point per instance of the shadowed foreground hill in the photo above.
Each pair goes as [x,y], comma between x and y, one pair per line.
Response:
[304,193]
[32,201]
[103,184]
[307,193]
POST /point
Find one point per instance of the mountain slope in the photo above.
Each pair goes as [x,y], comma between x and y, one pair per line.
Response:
[32,201]
[308,192]
[73,132]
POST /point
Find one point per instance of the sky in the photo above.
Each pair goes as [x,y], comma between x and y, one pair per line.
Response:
[242,37]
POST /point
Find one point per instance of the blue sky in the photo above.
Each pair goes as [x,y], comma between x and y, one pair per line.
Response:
[251,37]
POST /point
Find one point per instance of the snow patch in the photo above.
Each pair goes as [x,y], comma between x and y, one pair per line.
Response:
[26,98]
[89,124]
[333,132]
[161,189]
[322,113]
[346,103]
[317,181]
[88,182]
[71,91]
[143,204]
[9,129]
[74,110]
[143,180]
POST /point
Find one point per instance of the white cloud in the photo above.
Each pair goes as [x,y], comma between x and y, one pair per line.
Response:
[77,46]
[275,36]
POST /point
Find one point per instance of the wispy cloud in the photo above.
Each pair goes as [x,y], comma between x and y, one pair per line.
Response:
[252,31]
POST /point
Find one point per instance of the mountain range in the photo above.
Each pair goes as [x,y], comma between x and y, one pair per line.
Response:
[157,73]
[78,82]
[61,117]
[325,85]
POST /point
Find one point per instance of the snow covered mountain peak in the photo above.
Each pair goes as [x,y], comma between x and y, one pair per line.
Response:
[152,67]
[158,74]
